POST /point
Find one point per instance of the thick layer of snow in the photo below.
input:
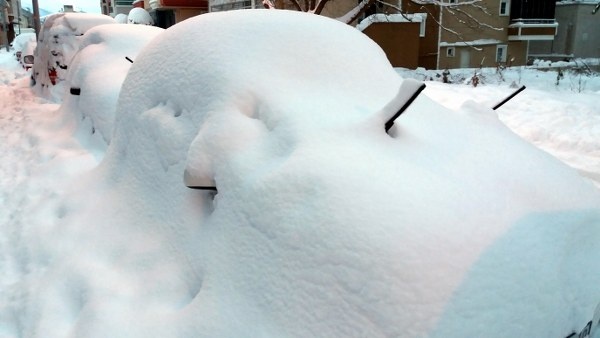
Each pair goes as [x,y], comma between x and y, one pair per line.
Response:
[323,226]
[97,71]
[20,40]
[567,124]
[379,17]
[139,16]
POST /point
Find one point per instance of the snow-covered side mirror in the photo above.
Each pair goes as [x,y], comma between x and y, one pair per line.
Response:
[198,182]
[408,92]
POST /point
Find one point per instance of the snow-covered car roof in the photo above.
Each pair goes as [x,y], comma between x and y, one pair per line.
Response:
[29,48]
[73,23]
[20,40]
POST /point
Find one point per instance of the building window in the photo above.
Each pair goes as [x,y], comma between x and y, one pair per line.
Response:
[422,28]
[501,53]
[450,52]
[504,7]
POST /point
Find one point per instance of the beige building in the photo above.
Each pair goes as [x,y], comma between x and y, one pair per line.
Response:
[496,32]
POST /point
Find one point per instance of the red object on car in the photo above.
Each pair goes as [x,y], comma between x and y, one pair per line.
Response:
[52,75]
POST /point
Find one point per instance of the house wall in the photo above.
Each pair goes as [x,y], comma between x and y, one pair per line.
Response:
[399,41]
[483,56]
[578,30]
[186,13]
[519,51]
[483,31]
[428,44]
[474,23]
[336,8]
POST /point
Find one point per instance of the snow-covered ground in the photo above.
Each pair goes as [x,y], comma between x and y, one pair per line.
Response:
[561,116]
[323,226]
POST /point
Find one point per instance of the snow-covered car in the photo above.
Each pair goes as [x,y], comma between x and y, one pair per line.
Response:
[324,224]
[58,41]
[27,55]
[97,71]
[20,41]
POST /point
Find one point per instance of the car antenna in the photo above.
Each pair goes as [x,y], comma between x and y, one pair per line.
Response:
[128,59]
[509,97]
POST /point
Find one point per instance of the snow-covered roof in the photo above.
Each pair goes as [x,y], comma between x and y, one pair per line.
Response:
[478,42]
[382,18]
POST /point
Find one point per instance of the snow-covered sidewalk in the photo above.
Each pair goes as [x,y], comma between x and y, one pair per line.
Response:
[563,119]
[39,159]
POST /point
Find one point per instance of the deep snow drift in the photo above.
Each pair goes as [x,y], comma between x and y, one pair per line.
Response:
[323,225]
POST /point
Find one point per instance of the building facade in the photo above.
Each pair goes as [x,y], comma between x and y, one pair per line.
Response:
[488,34]
[578,34]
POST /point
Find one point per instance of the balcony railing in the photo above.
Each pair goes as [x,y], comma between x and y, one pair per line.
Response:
[532,29]
[533,21]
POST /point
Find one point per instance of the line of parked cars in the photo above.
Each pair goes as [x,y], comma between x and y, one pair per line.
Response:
[80,60]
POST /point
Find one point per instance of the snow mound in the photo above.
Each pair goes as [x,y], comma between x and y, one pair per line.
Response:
[323,224]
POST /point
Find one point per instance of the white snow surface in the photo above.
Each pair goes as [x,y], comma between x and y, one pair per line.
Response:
[323,224]
[121,18]
[139,16]
[98,70]
[21,39]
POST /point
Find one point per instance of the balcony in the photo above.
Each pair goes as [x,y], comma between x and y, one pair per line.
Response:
[532,20]
[532,29]
[164,4]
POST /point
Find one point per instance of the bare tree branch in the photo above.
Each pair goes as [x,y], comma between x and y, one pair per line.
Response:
[474,23]
[356,12]
[320,5]
[446,4]
[401,12]
[453,32]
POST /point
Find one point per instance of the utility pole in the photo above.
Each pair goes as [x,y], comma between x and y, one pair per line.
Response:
[19,15]
[4,8]
[36,18]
